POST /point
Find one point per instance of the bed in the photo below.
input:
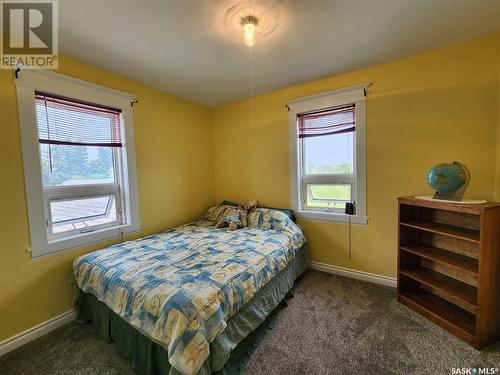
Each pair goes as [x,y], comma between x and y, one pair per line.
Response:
[189,300]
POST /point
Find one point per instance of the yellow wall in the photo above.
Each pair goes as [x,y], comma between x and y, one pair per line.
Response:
[497,190]
[175,182]
[425,109]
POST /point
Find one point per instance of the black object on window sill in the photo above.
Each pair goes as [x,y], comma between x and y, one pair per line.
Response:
[349,208]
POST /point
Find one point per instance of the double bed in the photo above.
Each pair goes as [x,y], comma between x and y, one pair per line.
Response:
[189,300]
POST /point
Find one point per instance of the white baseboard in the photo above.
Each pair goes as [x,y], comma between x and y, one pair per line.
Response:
[360,275]
[35,332]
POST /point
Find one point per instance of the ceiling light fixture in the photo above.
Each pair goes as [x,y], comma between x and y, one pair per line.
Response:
[249,23]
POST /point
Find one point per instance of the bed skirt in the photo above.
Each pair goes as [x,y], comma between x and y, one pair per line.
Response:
[229,352]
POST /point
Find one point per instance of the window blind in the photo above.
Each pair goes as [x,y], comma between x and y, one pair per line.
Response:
[63,121]
[327,122]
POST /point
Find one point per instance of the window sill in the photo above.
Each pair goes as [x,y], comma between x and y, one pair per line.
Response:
[332,217]
[82,239]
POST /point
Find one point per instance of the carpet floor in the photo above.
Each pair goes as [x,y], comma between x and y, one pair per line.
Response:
[333,325]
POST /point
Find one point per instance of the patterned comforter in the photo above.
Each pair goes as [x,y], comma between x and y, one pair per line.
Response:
[180,287]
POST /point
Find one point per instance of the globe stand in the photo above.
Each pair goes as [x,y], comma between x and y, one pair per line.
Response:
[463,201]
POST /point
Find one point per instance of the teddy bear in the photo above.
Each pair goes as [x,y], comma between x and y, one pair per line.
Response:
[238,218]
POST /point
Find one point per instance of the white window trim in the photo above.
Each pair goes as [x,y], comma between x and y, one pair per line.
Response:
[30,81]
[348,95]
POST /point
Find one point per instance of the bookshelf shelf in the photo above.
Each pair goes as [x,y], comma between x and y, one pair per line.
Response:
[447,285]
[444,229]
[442,312]
[461,262]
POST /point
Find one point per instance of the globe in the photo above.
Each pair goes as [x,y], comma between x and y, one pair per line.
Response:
[447,177]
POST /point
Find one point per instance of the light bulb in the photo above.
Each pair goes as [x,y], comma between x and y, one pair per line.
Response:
[249,34]
[249,25]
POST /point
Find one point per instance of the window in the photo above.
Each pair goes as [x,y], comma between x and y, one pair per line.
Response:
[80,157]
[79,161]
[328,155]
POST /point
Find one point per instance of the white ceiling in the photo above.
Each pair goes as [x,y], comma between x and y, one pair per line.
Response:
[194,49]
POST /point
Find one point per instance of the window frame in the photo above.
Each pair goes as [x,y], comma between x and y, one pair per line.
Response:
[37,197]
[298,187]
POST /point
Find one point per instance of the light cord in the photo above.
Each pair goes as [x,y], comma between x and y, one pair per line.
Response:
[350,252]
[252,118]
[349,160]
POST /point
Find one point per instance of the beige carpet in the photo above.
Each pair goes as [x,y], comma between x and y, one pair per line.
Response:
[333,325]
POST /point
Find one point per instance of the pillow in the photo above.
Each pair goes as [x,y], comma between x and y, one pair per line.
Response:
[263,218]
[218,212]
[268,218]
[286,211]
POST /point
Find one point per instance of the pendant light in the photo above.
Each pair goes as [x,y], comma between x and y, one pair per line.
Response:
[249,24]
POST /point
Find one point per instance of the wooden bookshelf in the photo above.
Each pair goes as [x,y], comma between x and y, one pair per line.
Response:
[449,266]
